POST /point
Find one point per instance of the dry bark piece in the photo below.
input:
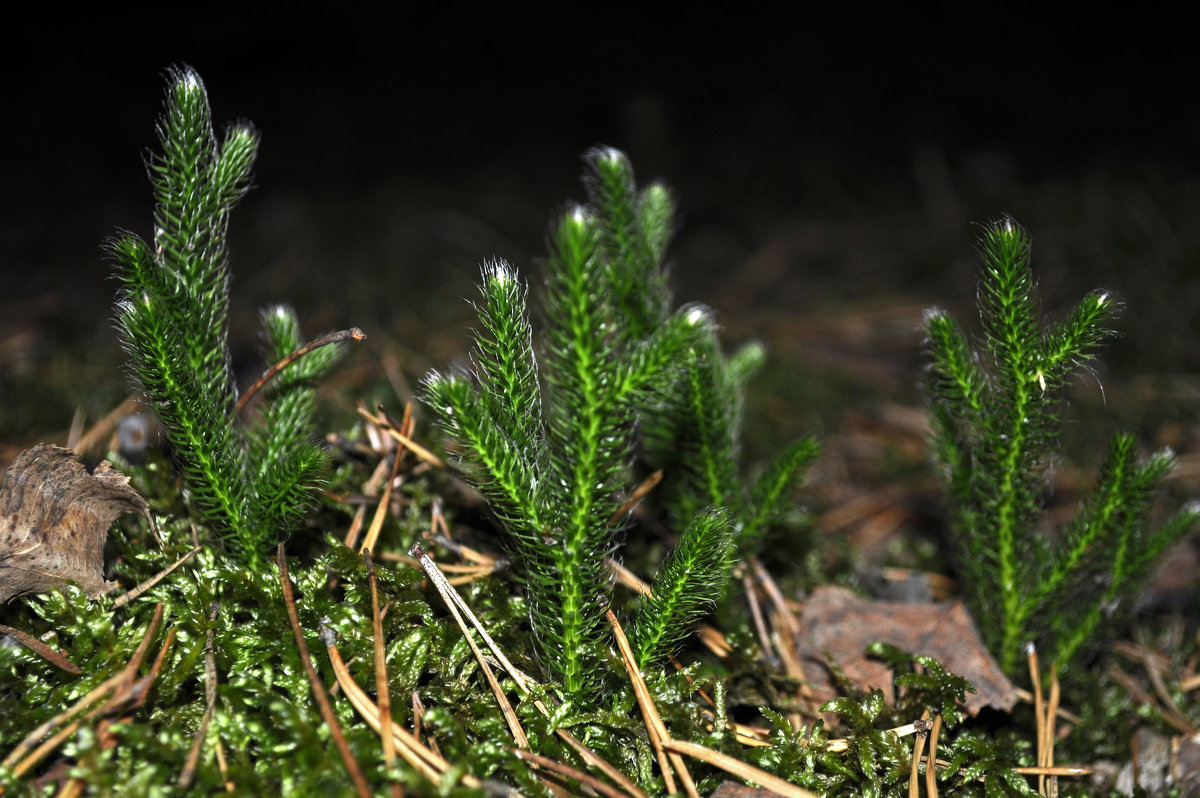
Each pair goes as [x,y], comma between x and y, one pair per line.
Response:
[54,519]
[838,624]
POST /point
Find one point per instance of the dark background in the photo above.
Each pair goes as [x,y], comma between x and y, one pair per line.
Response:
[829,167]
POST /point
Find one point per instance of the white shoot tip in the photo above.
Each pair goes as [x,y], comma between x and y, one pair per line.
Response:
[499,271]
[189,81]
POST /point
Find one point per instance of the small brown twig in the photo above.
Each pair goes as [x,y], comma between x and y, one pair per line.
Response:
[51,655]
[639,493]
[381,510]
[356,775]
[756,615]
[914,783]
[381,472]
[353,334]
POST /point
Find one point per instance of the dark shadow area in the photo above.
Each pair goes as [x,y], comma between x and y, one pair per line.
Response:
[829,171]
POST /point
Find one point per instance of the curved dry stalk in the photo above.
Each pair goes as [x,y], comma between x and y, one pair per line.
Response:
[381,510]
[931,762]
[381,680]
[914,784]
[422,759]
[353,334]
[453,602]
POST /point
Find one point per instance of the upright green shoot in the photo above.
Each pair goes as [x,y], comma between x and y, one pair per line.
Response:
[250,485]
[551,441]
[994,413]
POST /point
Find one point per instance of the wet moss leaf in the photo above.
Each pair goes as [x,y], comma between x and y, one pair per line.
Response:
[54,519]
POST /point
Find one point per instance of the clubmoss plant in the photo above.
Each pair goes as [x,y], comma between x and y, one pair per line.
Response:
[555,460]
[219,701]
[693,433]
[249,484]
[995,419]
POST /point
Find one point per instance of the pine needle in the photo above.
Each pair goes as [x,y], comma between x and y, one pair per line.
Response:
[453,601]
[654,724]
[931,789]
[738,768]
[523,682]
[356,775]
[914,783]
[91,442]
[122,600]
[554,766]
[381,510]
[640,492]
[51,655]
[210,702]
[425,761]
[377,477]
[408,443]
[381,681]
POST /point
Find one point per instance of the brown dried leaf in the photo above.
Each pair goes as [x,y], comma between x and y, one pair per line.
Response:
[837,621]
[54,519]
